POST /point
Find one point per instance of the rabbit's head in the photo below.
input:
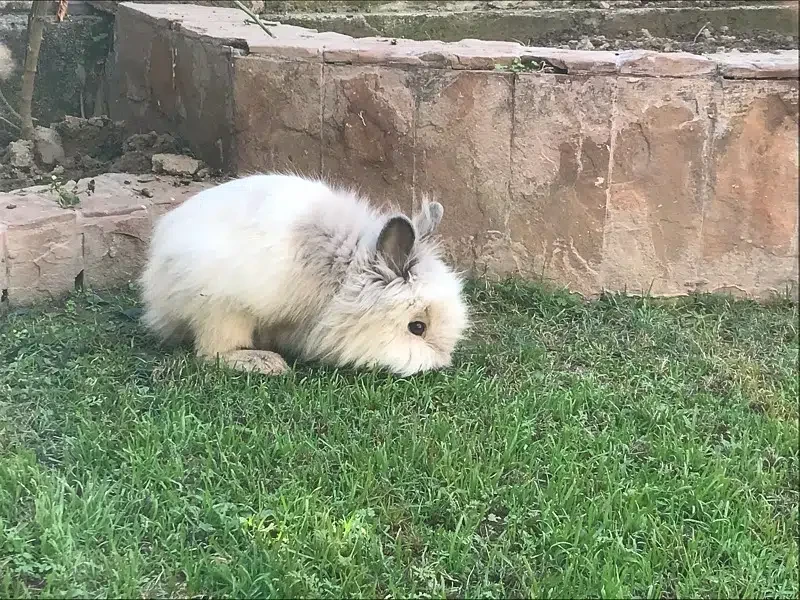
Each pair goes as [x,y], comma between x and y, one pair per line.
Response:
[401,308]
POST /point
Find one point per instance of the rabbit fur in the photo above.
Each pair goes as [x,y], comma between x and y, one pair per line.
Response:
[303,269]
[7,63]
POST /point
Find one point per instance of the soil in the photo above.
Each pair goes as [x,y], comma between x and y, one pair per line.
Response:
[91,147]
[699,38]
[399,6]
[706,40]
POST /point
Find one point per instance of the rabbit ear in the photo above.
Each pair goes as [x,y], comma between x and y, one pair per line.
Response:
[395,243]
[429,217]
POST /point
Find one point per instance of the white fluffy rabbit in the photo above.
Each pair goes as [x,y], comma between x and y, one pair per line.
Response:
[293,266]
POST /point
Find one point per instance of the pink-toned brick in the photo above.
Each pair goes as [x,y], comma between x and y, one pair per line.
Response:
[368,130]
[575,62]
[657,184]
[114,247]
[43,247]
[750,229]
[462,157]
[782,64]
[559,165]
[664,64]
[277,115]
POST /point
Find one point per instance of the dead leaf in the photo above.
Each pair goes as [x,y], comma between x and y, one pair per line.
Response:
[62,10]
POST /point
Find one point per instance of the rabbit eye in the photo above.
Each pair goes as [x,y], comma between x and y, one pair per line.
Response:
[417,327]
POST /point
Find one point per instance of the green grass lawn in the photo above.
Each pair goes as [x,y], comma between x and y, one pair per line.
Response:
[624,447]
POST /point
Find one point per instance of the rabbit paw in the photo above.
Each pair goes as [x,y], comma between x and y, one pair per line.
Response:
[260,361]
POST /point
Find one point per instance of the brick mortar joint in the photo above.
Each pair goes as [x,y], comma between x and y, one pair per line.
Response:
[717,69]
[713,75]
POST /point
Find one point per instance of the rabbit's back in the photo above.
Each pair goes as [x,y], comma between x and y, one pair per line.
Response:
[237,244]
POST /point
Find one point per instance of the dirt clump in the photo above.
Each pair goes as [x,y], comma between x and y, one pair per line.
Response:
[76,148]
[707,40]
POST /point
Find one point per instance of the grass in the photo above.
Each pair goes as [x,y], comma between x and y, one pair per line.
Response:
[624,447]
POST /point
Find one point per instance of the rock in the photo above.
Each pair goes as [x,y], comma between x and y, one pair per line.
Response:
[20,154]
[585,44]
[133,162]
[139,149]
[47,144]
[175,164]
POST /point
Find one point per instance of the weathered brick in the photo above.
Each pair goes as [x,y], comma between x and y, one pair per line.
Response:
[114,247]
[367,131]
[277,120]
[664,64]
[462,152]
[658,184]
[43,246]
[750,229]
[562,133]
[782,64]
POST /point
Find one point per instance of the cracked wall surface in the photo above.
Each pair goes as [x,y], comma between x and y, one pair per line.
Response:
[635,171]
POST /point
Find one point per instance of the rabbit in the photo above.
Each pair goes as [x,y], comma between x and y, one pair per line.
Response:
[270,265]
[7,64]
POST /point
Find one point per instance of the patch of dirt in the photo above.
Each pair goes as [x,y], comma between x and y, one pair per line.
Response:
[404,6]
[706,40]
[744,34]
[87,148]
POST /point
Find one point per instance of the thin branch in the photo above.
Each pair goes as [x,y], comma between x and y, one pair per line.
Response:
[8,106]
[702,29]
[9,123]
[254,16]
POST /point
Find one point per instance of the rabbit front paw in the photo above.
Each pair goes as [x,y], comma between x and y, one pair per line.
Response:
[259,361]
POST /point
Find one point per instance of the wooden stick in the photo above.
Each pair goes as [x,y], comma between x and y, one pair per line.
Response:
[254,16]
[35,33]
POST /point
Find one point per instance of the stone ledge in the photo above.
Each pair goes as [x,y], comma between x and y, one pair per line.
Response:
[227,27]
[45,249]
[750,65]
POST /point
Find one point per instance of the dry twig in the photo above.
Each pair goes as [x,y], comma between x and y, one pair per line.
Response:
[13,126]
[702,29]
[254,16]
[8,106]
